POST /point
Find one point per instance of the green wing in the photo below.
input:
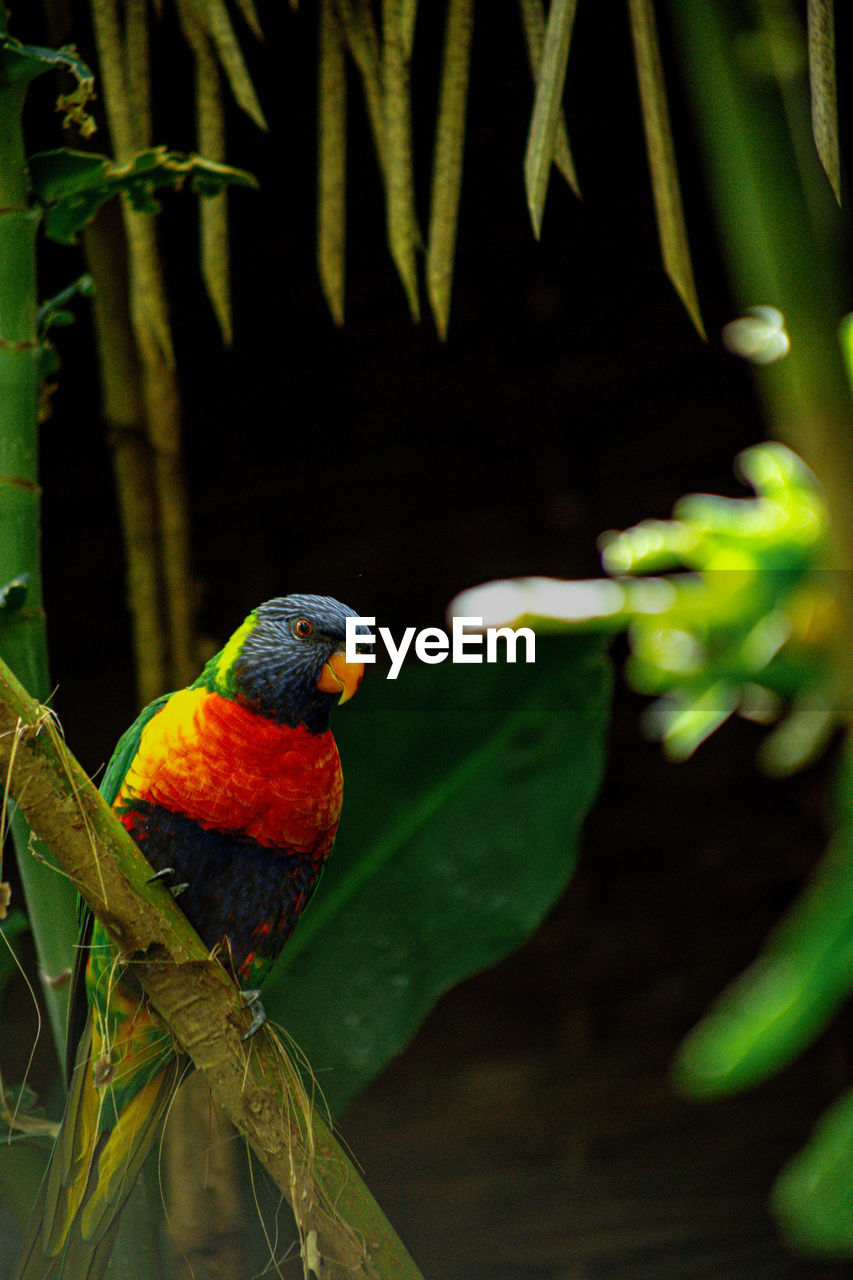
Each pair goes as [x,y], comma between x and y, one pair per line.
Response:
[126,748]
[114,776]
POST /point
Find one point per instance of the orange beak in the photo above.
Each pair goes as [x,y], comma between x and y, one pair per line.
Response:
[340,676]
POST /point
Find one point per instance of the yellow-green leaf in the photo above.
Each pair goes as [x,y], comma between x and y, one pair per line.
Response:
[547,107]
[210,133]
[408,17]
[533,22]
[359,31]
[214,18]
[331,160]
[250,17]
[821,28]
[447,162]
[672,230]
[403,234]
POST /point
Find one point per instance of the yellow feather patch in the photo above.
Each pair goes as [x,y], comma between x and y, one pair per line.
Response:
[172,722]
[232,648]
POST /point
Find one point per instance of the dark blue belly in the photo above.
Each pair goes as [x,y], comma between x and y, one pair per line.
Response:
[241,896]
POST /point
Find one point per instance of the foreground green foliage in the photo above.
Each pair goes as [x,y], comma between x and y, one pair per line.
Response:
[728,607]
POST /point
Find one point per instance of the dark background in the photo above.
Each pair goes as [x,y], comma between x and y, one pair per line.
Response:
[529,1131]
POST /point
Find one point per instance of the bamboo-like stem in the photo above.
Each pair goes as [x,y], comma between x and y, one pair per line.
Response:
[122,403]
[163,417]
[343,1230]
[149,315]
[23,637]
[206,1219]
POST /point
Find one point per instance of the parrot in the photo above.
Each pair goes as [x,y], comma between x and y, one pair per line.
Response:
[232,789]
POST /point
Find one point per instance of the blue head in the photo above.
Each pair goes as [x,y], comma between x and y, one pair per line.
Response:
[288,660]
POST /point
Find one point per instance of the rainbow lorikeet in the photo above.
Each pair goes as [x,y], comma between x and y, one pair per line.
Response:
[232,789]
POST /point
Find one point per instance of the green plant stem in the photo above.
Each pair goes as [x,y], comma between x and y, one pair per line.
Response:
[149,316]
[345,1235]
[781,234]
[122,400]
[23,638]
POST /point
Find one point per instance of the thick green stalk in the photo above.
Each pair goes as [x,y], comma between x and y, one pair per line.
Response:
[23,641]
[780,231]
[123,409]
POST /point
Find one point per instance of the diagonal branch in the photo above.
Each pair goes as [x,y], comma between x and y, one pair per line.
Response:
[344,1233]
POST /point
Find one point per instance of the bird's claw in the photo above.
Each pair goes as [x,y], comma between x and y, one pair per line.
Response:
[164,874]
[252,1000]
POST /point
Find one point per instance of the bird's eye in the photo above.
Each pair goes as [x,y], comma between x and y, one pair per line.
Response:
[302,628]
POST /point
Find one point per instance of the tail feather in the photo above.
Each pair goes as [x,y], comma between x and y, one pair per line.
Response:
[92,1172]
[121,1153]
[33,1263]
[83,1259]
[71,1159]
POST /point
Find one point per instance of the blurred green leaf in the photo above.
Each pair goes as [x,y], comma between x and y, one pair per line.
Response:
[788,995]
[72,185]
[742,619]
[465,790]
[811,1197]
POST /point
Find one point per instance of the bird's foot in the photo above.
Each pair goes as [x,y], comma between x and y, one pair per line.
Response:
[165,874]
[252,1000]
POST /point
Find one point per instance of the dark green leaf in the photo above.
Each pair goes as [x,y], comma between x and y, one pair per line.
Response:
[789,994]
[22,1165]
[465,790]
[811,1197]
[12,927]
[72,185]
